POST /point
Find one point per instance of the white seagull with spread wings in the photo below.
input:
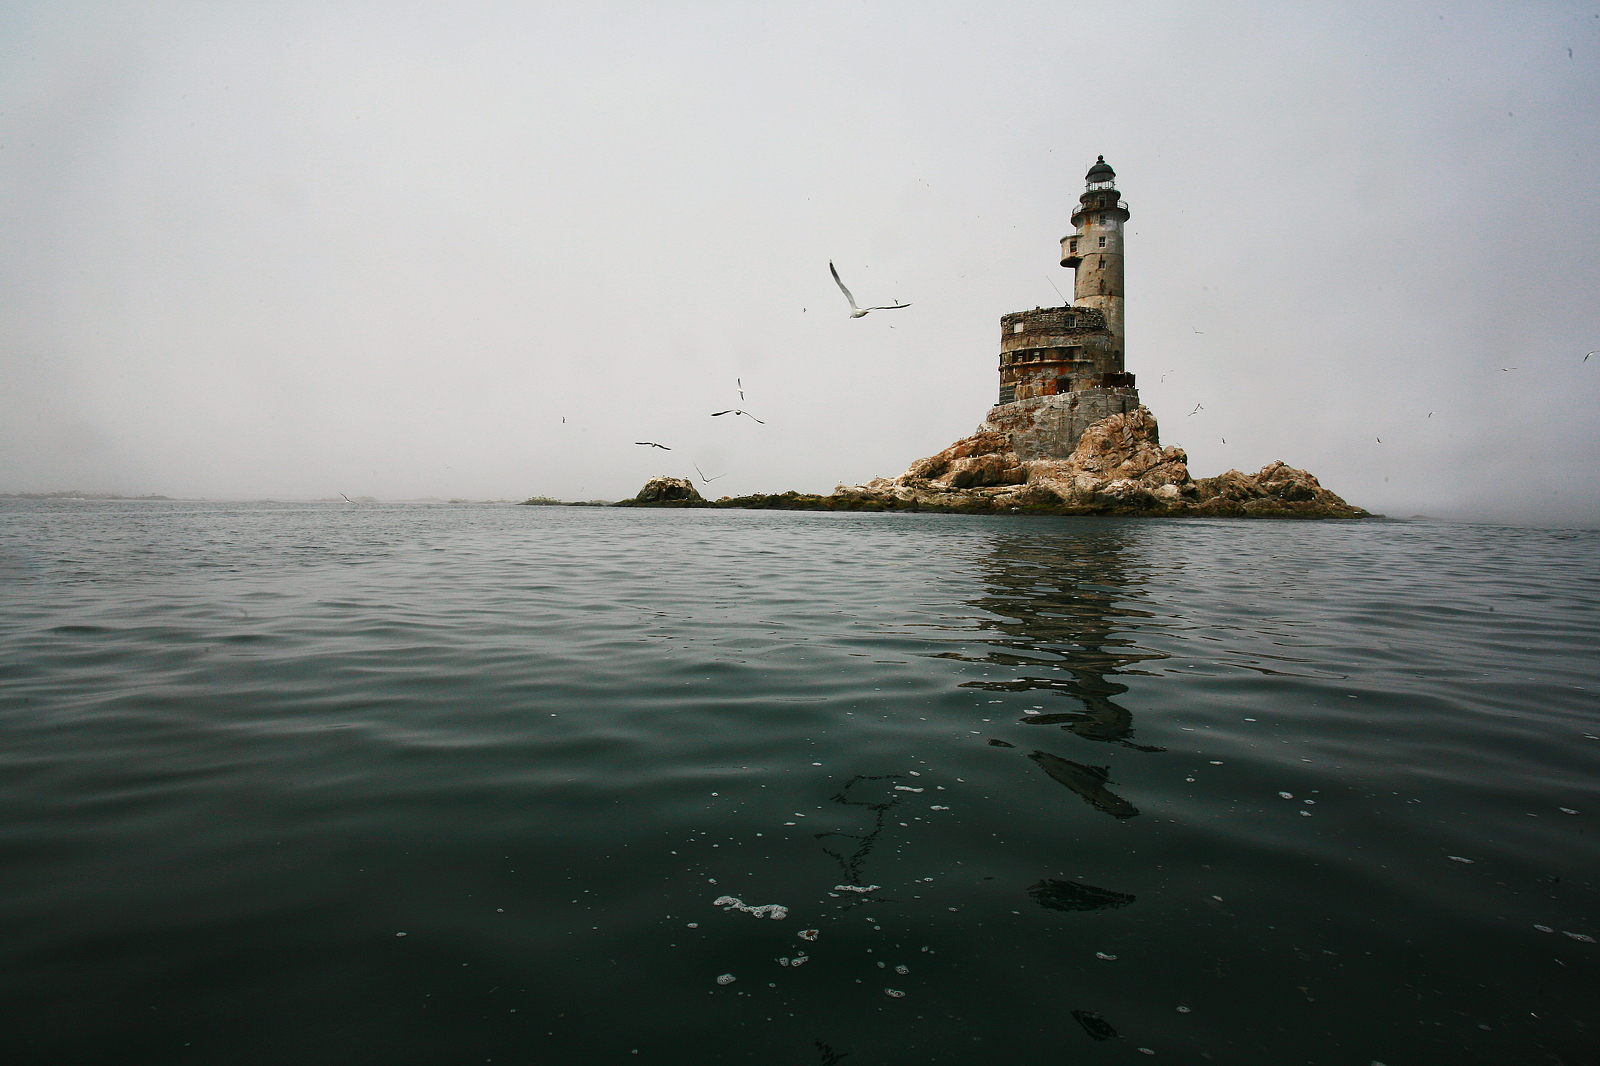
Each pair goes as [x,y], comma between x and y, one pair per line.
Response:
[857,312]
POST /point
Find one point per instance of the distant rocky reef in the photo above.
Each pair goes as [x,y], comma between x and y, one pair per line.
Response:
[1119,468]
[549,501]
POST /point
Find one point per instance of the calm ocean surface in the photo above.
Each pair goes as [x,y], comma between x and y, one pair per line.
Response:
[462,784]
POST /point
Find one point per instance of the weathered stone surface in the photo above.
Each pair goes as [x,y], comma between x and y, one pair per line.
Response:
[1119,467]
[669,489]
[1275,489]
[976,460]
[1050,427]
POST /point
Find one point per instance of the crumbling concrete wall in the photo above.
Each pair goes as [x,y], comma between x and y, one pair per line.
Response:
[1054,350]
[1049,427]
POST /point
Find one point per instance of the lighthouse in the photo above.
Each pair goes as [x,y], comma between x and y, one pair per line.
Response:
[1094,250]
[1062,368]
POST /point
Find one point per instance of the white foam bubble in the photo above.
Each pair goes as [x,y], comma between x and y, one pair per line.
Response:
[766,910]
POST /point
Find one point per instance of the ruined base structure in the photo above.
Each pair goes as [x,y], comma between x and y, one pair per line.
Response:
[1049,427]
[1060,373]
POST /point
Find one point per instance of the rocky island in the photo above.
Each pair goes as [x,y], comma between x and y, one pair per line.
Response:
[1117,468]
[1068,434]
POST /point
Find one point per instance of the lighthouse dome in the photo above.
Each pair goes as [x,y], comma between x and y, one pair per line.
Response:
[1101,173]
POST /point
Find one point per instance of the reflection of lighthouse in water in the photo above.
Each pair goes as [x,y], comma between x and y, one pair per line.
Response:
[1055,608]
[1051,614]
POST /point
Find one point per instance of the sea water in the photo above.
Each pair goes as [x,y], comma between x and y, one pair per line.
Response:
[440,784]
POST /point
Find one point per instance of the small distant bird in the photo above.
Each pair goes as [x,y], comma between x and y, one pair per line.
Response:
[1378,439]
[1430,414]
[1201,332]
[857,312]
[653,444]
[1506,368]
[1197,407]
[702,473]
[731,411]
[347,499]
[1165,373]
[1585,359]
[740,384]
[1224,440]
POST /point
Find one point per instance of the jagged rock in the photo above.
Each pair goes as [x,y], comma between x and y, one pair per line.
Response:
[1275,488]
[1121,446]
[1119,467]
[975,461]
[666,489]
[1286,483]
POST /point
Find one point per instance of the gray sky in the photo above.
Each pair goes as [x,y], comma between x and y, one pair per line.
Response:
[293,250]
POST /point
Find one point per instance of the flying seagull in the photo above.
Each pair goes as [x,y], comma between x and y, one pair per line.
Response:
[1585,359]
[739,383]
[702,473]
[857,312]
[653,444]
[347,499]
[731,411]
[1197,407]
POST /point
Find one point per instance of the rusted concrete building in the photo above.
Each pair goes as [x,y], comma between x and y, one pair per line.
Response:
[1061,368]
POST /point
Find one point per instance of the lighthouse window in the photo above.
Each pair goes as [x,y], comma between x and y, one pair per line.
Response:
[1018,327]
[1072,246]
[1102,242]
[1102,261]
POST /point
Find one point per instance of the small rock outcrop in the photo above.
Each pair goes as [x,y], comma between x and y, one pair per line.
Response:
[1119,467]
[669,490]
